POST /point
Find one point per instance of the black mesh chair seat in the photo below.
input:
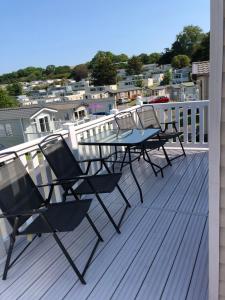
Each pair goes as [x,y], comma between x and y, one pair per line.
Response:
[102,184]
[170,135]
[63,217]
[152,144]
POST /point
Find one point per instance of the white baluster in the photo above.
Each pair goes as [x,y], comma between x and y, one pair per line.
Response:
[185,124]
[193,125]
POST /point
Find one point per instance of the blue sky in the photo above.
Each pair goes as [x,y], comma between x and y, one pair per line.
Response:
[69,32]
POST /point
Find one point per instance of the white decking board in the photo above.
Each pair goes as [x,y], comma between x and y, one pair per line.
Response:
[188,185]
[149,258]
[130,266]
[158,197]
[199,282]
[181,272]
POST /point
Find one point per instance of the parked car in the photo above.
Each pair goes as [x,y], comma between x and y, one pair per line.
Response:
[123,101]
[160,99]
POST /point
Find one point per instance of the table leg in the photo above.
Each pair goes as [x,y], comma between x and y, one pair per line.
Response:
[113,164]
[132,172]
[100,154]
[153,165]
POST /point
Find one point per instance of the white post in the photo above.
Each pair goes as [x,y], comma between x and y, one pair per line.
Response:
[2,245]
[72,138]
[114,111]
[216,90]
[139,100]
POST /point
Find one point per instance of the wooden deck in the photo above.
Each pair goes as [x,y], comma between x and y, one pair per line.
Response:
[162,252]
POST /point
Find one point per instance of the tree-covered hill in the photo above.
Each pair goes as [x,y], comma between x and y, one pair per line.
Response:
[191,42]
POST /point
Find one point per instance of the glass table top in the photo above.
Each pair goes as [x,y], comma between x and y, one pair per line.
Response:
[121,137]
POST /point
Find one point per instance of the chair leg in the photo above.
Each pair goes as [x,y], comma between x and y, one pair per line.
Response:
[122,194]
[150,162]
[64,197]
[75,195]
[182,147]
[94,228]
[68,257]
[166,156]
[115,159]
[9,254]
[95,246]
[124,157]
[102,203]
[55,236]
[107,213]
[140,155]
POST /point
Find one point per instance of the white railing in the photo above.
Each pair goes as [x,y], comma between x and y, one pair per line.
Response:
[191,117]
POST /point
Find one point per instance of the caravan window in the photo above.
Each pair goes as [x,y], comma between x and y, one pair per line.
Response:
[8,129]
[2,130]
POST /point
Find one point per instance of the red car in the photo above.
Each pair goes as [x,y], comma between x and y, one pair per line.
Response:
[160,99]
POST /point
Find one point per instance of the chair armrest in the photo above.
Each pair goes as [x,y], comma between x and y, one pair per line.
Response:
[60,181]
[91,160]
[173,123]
[24,213]
[76,178]
[49,184]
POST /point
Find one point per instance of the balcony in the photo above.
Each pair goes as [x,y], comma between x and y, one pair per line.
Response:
[162,252]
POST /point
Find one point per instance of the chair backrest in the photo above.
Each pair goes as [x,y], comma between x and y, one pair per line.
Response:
[147,116]
[125,121]
[18,192]
[60,158]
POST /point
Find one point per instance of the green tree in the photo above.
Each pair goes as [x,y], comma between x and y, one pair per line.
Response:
[50,69]
[6,100]
[144,58]
[116,59]
[121,58]
[79,72]
[139,83]
[188,40]
[202,51]
[103,71]
[167,78]
[154,58]
[180,61]
[134,66]
[62,72]
[166,57]
[101,55]
[15,89]
[121,65]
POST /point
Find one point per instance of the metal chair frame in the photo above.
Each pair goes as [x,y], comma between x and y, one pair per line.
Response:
[82,176]
[127,118]
[164,134]
[44,207]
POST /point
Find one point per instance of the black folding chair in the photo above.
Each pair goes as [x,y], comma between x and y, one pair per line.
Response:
[68,172]
[125,121]
[20,199]
[148,119]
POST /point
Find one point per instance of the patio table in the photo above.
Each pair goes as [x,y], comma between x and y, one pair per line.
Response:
[126,138]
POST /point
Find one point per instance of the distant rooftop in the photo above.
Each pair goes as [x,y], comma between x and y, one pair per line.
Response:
[66,105]
[120,90]
[176,86]
[21,112]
